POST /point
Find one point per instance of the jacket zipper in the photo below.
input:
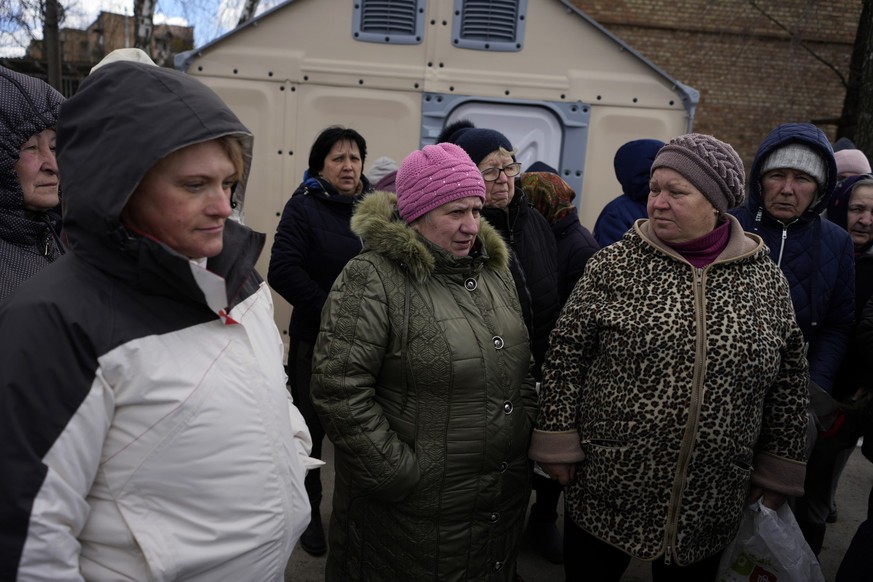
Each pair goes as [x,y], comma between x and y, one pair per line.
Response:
[785,226]
[693,417]
[782,244]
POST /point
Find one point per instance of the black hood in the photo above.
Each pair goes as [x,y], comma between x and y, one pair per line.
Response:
[126,117]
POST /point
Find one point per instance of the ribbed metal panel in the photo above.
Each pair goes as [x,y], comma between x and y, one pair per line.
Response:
[489,20]
[389,16]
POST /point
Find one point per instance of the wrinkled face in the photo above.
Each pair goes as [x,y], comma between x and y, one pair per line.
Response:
[37,171]
[184,200]
[498,194]
[452,226]
[859,221]
[678,212]
[343,166]
[787,193]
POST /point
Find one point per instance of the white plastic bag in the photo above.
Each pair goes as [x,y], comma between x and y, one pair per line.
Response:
[769,548]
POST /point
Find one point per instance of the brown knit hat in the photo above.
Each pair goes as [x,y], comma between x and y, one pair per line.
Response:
[711,165]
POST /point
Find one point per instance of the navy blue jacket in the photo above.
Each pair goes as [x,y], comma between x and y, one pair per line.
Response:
[854,372]
[816,256]
[533,254]
[575,246]
[313,243]
[633,165]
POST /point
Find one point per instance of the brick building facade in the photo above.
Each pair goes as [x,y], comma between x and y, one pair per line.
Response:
[756,63]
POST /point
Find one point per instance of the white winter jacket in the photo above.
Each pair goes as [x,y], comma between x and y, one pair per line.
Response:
[146,432]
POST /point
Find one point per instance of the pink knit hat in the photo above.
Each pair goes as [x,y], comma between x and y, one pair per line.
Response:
[851,162]
[433,176]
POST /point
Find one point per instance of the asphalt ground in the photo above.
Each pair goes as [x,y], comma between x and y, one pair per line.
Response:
[852,497]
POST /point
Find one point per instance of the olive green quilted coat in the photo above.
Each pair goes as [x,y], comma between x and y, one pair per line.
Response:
[422,381]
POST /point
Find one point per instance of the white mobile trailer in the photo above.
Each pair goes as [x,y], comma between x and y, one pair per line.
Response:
[563,89]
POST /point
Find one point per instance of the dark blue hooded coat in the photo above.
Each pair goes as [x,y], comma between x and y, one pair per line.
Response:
[854,372]
[816,255]
[633,165]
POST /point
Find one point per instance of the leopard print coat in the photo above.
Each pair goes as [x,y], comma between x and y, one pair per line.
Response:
[674,388]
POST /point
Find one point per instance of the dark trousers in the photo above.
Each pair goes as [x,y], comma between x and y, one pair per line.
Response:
[839,466]
[588,559]
[857,564]
[548,493]
[300,375]
[811,510]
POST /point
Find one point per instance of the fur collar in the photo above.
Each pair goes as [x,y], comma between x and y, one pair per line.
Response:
[382,230]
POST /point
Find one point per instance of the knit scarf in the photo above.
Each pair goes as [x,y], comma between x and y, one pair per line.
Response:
[704,250]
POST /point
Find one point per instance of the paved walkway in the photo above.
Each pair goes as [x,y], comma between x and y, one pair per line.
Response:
[851,501]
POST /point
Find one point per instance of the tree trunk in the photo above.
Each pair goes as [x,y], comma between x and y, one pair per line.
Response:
[864,131]
[143,15]
[52,43]
[248,11]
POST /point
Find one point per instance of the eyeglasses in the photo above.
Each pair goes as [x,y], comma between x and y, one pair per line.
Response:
[511,171]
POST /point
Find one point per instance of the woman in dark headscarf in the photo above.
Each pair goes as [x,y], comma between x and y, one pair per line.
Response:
[29,186]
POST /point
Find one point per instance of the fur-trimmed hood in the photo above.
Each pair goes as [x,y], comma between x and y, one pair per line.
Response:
[382,230]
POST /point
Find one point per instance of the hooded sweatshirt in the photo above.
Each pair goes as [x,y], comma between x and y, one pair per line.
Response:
[28,241]
[815,254]
[146,431]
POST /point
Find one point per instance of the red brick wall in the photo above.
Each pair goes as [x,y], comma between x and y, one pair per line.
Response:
[752,74]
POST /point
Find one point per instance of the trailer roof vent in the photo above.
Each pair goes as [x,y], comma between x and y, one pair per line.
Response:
[389,21]
[489,25]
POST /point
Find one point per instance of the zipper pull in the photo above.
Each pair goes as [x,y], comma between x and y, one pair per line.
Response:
[668,555]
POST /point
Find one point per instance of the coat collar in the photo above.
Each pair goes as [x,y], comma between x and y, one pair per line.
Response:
[382,230]
[740,245]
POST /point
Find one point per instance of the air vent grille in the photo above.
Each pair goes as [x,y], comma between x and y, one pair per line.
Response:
[389,16]
[489,20]
[388,21]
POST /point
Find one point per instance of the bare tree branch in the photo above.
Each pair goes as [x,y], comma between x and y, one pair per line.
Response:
[796,38]
[18,21]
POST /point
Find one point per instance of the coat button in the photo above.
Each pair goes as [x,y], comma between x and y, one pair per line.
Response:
[470,284]
[498,342]
[507,407]
[498,566]
[495,517]
[504,466]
